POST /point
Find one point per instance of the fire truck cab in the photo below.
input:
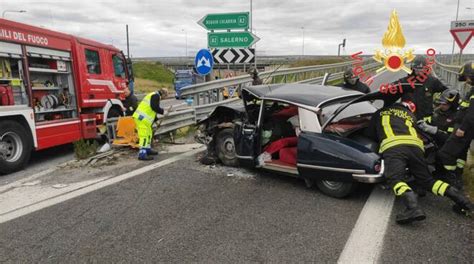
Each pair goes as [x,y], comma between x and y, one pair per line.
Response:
[55,89]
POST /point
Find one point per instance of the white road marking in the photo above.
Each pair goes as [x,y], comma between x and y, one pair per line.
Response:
[365,243]
[68,194]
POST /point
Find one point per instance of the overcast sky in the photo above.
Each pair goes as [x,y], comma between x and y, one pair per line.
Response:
[159,28]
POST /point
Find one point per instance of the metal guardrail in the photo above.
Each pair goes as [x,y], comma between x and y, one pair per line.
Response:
[207,96]
[211,92]
[448,74]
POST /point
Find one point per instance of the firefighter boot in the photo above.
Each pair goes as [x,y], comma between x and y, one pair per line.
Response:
[454,178]
[412,211]
[142,155]
[463,205]
[459,182]
[152,152]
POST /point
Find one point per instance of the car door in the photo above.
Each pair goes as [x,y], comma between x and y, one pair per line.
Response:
[247,140]
[325,156]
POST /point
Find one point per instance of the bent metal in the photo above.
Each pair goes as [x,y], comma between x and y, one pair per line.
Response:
[419,77]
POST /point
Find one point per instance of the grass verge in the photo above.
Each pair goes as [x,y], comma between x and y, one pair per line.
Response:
[85,148]
[147,86]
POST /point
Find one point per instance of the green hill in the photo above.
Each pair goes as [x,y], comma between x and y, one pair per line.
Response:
[151,76]
[152,71]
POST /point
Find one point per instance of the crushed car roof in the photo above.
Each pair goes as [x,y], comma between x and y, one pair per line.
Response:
[304,94]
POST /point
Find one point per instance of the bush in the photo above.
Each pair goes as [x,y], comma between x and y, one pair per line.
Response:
[84,148]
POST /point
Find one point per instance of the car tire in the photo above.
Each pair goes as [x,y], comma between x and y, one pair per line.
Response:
[15,146]
[225,147]
[336,189]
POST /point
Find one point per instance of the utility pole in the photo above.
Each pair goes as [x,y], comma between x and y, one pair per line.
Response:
[128,42]
[302,49]
[452,51]
[343,44]
[186,42]
[251,27]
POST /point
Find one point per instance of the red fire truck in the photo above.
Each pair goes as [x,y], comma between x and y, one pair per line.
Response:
[55,88]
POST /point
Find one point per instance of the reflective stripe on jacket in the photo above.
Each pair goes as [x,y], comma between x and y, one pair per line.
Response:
[397,128]
[144,110]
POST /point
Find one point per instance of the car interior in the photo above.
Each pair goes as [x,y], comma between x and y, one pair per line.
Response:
[351,123]
[279,134]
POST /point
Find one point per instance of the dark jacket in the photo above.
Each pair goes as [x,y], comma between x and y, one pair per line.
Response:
[466,114]
[444,121]
[358,86]
[130,103]
[155,104]
[422,95]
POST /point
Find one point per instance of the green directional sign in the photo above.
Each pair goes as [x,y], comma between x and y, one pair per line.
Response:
[231,39]
[225,21]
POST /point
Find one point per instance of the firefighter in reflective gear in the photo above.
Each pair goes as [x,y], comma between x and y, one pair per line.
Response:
[401,148]
[453,153]
[441,123]
[145,116]
[425,86]
[353,82]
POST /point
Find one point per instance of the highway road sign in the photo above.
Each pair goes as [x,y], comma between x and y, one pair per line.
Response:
[225,21]
[231,39]
[236,56]
[462,31]
[203,62]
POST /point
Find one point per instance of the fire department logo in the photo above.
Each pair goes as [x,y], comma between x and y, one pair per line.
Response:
[393,57]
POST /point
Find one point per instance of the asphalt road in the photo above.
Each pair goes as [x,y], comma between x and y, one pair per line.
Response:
[41,161]
[186,212]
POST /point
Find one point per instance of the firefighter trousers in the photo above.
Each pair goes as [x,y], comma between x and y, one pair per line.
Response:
[398,159]
[454,152]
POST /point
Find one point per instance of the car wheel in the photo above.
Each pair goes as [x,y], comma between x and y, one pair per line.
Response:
[226,147]
[336,189]
[15,146]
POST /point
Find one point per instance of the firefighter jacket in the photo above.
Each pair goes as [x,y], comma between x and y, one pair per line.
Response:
[422,93]
[465,117]
[444,121]
[394,126]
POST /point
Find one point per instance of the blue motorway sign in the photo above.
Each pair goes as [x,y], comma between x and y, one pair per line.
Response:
[203,62]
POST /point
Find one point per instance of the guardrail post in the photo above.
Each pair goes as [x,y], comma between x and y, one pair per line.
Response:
[196,99]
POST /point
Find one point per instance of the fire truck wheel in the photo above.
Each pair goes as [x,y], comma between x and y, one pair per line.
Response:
[15,146]
[114,112]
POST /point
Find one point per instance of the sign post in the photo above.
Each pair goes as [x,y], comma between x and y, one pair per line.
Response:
[462,31]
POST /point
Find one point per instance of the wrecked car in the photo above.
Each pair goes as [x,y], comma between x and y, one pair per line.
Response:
[312,132]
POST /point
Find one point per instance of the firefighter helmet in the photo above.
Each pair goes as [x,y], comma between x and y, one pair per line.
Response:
[349,77]
[451,97]
[418,63]
[467,70]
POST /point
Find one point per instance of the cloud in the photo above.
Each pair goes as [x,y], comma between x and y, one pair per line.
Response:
[161,28]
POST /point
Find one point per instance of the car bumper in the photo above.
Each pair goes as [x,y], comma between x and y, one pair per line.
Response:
[370,178]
